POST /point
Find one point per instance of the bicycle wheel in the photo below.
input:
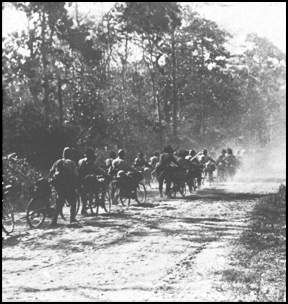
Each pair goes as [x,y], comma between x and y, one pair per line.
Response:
[112,189]
[78,203]
[93,203]
[65,207]
[8,221]
[99,202]
[122,198]
[141,194]
[172,192]
[107,202]
[35,214]
[115,195]
[125,201]
[182,190]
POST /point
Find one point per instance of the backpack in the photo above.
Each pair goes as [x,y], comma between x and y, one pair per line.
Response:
[64,175]
[85,168]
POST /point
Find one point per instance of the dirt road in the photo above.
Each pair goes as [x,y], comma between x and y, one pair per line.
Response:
[169,250]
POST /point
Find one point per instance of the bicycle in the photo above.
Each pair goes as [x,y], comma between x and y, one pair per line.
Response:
[193,180]
[42,205]
[123,190]
[8,220]
[147,175]
[221,174]
[178,178]
[209,168]
[178,187]
[96,194]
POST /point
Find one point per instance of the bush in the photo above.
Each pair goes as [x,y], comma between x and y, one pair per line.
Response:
[257,270]
[26,133]
[19,173]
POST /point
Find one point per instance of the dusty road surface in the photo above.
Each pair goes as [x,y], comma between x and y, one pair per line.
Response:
[169,250]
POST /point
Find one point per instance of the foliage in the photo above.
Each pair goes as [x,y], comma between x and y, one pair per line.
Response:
[25,134]
[257,269]
[263,87]
[147,74]
[21,175]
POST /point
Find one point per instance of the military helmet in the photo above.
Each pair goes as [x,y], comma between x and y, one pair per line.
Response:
[121,153]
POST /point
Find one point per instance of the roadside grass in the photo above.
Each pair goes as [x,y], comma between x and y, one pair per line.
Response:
[257,270]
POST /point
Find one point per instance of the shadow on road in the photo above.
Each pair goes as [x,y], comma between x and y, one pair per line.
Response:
[121,221]
[222,195]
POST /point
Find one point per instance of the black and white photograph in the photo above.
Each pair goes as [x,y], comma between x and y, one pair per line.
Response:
[144,152]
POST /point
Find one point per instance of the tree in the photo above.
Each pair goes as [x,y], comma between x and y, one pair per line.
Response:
[151,23]
[143,75]
[264,82]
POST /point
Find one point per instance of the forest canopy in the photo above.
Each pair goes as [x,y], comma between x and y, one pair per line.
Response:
[144,75]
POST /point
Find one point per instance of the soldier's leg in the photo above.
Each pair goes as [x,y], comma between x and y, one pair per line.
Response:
[160,179]
[59,205]
[199,179]
[83,201]
[168,186]
[72,201]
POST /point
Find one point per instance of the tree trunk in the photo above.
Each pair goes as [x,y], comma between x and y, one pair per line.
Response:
[77,14]
[44,63]
[109,48]
[202,101]
[161,137]
[124,66]
[175,102]
[60,101]
[156,100]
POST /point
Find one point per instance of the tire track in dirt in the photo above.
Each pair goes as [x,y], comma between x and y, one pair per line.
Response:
[162,250]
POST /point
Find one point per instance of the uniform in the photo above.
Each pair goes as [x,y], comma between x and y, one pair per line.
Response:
[65,179]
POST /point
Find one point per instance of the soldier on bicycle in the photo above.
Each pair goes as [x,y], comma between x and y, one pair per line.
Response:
[140,162]
[128,178]
[88,172]
[230,163]
[220,162]
[65,179]
[195,170]
[154,159]
[144,167]
[120,163]
[162,169]
[109,160]
[208,165]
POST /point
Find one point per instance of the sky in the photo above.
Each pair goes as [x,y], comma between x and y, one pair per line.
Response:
[267,19]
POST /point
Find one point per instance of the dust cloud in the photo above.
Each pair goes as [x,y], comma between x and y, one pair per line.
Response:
[263,164]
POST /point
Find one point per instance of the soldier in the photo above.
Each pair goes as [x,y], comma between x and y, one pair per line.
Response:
[65,178]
